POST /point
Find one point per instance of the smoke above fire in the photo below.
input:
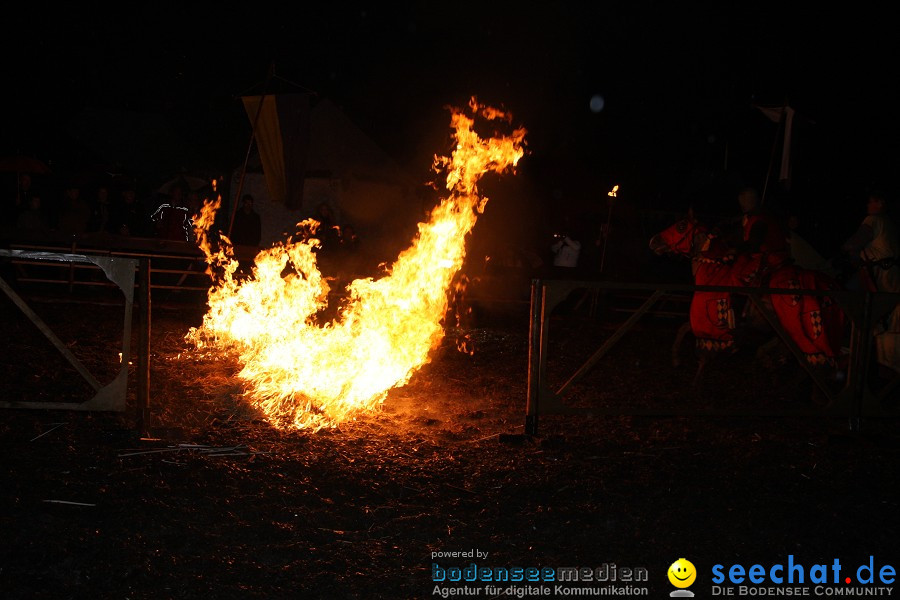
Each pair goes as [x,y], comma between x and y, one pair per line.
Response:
[303,373]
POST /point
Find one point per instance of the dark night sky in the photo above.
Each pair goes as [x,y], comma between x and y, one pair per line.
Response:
[678,83]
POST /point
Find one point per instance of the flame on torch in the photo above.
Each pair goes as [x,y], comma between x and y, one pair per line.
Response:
[306,374]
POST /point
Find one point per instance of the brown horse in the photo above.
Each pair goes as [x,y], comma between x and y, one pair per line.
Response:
[815,323]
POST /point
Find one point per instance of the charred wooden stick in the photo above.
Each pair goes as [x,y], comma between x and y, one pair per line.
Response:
[54,428]
[69,503]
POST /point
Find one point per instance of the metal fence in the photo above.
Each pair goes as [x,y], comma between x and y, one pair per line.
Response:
[118,272]
[853,398]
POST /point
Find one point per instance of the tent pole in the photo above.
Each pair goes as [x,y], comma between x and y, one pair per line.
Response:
[778,132]
[240,187]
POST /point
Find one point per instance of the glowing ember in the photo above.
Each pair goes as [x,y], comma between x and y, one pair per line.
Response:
[303,373]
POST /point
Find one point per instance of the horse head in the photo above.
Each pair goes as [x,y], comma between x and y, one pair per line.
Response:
[678,238]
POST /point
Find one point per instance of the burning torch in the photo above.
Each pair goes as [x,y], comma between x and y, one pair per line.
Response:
[611,194]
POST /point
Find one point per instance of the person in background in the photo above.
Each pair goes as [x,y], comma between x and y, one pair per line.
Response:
[74,212]
[100,208]
[875,250]
[127,217]
[565,251]
[247,227]
[24,192]
[350,258]
[349,239]
[327,232]
[33,217]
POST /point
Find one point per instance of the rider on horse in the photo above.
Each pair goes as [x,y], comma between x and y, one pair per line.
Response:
[813,322]
[763,248]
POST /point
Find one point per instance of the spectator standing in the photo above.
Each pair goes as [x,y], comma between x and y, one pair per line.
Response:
[100,209]
[247,227]
[566,251]
[875,249]
[349,256]
[327,232]
[33,218]
[74,212]
[128,216]
[24,192]
[349,239]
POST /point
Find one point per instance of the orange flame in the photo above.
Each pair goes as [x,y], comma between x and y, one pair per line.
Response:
[223,257]
[303,374]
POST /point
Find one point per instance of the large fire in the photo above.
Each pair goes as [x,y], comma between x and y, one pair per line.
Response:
[306,374]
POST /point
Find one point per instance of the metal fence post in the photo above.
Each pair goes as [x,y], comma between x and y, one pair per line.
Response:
[865,340]
[143,375]
[535,356]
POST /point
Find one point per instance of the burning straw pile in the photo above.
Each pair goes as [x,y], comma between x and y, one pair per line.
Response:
[305,374]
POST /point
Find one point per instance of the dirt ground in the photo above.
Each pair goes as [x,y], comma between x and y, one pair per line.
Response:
[229,507]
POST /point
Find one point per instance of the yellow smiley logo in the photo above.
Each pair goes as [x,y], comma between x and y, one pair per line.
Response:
[682,573]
